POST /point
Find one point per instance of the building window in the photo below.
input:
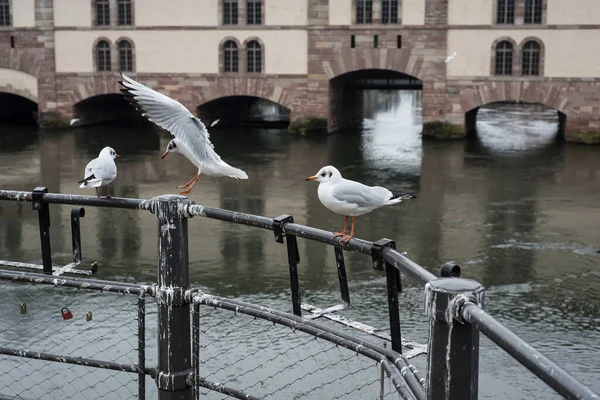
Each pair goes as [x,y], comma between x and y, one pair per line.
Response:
[531,58]
[506,12]
[364,11]
[254,56]
[230,12]
[103,55]
[253,12]
[504,58]
[125,56]
[5,13]
[124,8]
[389,11]
[533,11]
[230,56]
[102,12]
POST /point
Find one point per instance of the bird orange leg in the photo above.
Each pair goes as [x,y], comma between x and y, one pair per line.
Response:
[108,192]
[343,233]
[97,193]
[187,184]
[347,238]
[188,190]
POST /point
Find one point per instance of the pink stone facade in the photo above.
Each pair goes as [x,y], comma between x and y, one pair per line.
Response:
[330,55]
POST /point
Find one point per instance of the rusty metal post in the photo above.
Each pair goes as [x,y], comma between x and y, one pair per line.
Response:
[174,344]
[453,345]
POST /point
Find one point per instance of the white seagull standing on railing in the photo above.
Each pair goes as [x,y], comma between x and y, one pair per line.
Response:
[191,137]
[100,171]
[351,198]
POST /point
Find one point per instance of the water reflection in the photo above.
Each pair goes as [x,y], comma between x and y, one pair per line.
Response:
[523,221]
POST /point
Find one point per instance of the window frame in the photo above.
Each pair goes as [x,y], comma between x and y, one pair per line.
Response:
[254,17]
[254,55]
[120,51]
[6,5]
[389,12]
[533,53]
[504,65]
[105,13]
[505,8]
[364,12]
[107,61]
[125,4]
[231,14]
[533,12]
[232,56]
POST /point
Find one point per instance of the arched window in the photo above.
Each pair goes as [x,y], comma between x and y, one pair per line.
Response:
[4,12]
[533,11]
[125,56]
[504,58]
[124,12]
[254,56]
[102,12]
[103,55]
[531,58]
[230,56]
[505,13]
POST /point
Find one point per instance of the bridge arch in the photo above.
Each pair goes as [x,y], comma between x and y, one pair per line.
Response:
[532,92]
[18,96]
[241,109]
[347,93]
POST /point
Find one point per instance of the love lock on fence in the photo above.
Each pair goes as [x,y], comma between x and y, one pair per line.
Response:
[23,308]
[66,314]
[88,317]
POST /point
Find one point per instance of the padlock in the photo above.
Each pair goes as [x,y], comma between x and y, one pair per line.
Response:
[66,314]
[23,308]
[88,317]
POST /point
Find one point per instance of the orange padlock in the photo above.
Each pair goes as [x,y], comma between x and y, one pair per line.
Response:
[66,314]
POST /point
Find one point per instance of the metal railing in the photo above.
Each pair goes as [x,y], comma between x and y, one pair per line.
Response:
[455,307]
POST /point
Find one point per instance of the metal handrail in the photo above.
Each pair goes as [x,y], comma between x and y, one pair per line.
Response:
[453,304]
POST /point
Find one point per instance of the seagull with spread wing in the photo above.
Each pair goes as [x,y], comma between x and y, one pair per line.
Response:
[191,137]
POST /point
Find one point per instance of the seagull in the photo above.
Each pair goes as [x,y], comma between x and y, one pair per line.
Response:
[191,137]
[73,121]
[100,171]
[450,58]
[351,198]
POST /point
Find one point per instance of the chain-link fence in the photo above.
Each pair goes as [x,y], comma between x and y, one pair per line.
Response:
[77,329]
[271,361]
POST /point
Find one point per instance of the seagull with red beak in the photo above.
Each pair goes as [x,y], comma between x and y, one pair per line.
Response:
[351,198]
[191,136]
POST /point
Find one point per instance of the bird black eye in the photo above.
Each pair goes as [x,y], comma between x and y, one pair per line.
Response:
[174,145]
[330,173]
[323,174]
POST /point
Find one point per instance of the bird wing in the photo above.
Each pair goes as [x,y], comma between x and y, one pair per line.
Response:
[171,115]
[362,195]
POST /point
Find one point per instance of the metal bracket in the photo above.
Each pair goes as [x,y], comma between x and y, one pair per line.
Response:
[278,223]
[171,297]
[173,380]
[377,252]
[37,197]
[278,231]
[450,270]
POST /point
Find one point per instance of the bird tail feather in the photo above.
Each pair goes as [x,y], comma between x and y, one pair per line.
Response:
[398,197]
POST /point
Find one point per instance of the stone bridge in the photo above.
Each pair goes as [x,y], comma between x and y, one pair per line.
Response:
[33,67]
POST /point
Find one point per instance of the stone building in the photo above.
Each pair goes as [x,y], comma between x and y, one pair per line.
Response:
[310,56]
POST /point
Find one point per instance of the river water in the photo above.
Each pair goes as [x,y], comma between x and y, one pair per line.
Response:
[517,209]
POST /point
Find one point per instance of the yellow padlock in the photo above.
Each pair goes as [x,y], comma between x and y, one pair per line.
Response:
[88,317]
